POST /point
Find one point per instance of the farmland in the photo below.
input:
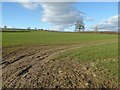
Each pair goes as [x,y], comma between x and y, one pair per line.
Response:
[59,60]
[51,38]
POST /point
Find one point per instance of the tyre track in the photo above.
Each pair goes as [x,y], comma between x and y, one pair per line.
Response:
[34,66]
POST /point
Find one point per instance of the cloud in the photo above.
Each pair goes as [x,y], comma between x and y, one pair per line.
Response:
[42,0]
[26,3]
[5,25]
[61,15]
[89,19]
[29,5]
[15,0]
[61,0]
[110,24]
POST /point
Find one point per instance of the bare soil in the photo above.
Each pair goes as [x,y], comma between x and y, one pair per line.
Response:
[38,66]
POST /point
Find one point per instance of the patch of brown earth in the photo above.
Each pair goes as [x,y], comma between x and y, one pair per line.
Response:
[36,67]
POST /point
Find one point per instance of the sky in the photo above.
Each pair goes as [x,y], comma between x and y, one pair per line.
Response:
[60,16]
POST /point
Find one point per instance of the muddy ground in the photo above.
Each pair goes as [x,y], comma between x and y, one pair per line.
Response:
[38,66]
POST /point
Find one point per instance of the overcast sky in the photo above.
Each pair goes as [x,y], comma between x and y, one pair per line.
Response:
[60,16]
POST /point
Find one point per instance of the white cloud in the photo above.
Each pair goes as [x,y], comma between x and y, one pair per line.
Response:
[61,15]
[9,27]
[5,25]
[29,5]
[89,19]
[61,0]
[43,0]
[110,25]
[26,3]
[15,0]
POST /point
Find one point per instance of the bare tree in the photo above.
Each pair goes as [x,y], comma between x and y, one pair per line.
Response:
[36,29]
[79,26]
[28,28]
[96,29]
[5,27]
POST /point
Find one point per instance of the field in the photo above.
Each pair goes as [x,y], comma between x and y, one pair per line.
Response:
[51,38]
[59,60]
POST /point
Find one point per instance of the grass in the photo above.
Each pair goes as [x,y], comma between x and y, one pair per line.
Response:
[50,38]
[104,56]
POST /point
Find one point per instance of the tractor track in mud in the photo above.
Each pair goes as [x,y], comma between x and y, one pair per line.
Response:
[36,67]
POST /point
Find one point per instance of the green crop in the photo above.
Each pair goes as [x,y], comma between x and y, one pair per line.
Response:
[50,38]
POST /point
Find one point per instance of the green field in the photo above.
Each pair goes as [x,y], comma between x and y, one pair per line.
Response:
[51,38]
[85,56]
[103,56]
[95,53]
